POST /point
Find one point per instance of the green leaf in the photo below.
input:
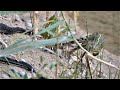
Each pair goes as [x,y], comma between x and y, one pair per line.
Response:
[51,27]
[40,32]
[17,76]
[28,45]
[52,65]
[14,74]
[25,76]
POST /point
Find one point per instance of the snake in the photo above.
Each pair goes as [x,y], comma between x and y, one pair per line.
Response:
[12,30]
[15,62]
[93,43]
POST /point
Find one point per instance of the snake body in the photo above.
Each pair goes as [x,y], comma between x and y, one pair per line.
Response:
[18,63]
[10,30]
[93,43]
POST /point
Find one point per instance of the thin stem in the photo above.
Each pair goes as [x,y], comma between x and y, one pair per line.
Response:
[35,22]
[89,54]
[88,65]
[57,52]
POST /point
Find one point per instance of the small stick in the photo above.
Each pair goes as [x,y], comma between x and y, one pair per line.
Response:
[35,22]
[89,54]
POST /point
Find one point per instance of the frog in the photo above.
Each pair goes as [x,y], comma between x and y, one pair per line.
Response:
[92,43]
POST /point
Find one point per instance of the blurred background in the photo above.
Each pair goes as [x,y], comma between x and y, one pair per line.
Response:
[105,22]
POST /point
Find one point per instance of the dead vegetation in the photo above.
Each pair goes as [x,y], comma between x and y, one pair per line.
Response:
[49,28]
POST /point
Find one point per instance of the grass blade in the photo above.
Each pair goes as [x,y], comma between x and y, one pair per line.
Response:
[19,47]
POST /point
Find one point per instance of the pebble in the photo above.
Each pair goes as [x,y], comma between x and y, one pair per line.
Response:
[5,76]
[22,73]
[72,32]
[17,18]
[23,60]
[28,24]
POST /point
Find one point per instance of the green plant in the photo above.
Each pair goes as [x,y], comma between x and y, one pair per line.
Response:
[54,35]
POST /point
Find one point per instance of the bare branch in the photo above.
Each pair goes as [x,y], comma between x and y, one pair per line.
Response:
[97,59]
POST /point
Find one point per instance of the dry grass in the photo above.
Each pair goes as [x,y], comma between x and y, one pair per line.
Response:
[105,22]
[97,22]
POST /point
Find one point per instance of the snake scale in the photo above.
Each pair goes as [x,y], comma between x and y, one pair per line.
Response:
[17,63]
[12,30]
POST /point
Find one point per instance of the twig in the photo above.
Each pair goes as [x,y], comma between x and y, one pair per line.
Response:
[89,54]
[35,22]
[3,43]
[88,66]
[47,15]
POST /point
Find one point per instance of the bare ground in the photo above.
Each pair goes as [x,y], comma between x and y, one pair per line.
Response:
[38,58]
[105,22]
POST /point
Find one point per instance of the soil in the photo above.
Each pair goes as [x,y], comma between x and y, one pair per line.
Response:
[37,58]
[105,22]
